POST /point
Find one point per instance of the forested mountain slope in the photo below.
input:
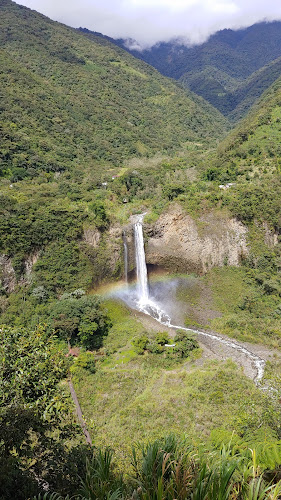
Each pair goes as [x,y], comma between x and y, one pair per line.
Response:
[239,53]
[257,139]
[71,102]
[233,97]
[219,69]
[81,123]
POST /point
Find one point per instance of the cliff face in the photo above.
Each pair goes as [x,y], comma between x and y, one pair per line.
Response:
[175,242]
[179,243]
[8,279]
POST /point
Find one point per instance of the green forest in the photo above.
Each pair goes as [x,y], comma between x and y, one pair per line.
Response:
[230,70]
[90,136]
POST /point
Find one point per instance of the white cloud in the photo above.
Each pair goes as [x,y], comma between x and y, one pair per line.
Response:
[152,21]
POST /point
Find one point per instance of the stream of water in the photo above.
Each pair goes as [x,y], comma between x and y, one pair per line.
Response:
[139,298]
[142,281]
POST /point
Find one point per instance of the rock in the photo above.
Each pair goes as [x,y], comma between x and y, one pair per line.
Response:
[30,262]
[92,237]
[7,274]
[270,238]
[115,240]
[178,242]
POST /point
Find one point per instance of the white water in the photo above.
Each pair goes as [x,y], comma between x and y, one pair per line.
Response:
[142,281]
[145,304]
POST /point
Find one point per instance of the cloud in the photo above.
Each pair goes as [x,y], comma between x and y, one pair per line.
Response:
[152,21]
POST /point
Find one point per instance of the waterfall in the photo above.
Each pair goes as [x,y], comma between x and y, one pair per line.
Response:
[148,306]
[125,256]
[140,300]
[142,282]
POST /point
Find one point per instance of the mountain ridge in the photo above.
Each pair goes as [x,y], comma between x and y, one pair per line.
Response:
[90,99]
[237,55]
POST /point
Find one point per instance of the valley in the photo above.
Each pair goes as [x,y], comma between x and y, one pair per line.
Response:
[140,258]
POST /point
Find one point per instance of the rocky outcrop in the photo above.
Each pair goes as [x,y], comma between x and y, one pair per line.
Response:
[8,277]
[7,274]
[270,238]
[91,237]
[105,252]
[29,263]
[115,239]
[179,243]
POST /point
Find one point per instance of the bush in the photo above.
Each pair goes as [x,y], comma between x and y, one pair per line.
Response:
[101,219]
[185,343]
[155,348]
[162,338]
[85,360]
[140,344]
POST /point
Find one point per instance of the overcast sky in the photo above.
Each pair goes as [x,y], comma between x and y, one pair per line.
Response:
[152,21]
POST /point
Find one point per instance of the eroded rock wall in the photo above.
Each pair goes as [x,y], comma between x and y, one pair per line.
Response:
[178,242]
[7,274]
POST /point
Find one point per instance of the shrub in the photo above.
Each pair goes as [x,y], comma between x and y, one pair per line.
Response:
[185,343]
[85,360]
[155,348]
[101,219]
[162,338]
[140,344]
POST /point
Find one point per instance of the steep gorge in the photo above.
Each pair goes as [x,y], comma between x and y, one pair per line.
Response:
[176,242]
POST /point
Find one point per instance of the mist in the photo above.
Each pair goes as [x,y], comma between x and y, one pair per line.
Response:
[149,22]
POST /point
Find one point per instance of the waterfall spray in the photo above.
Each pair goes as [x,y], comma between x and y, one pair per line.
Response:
[142,282]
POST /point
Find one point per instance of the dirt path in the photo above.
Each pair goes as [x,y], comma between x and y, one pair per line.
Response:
[214,349]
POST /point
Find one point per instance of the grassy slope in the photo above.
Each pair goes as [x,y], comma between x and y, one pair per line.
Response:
[73,102]
[229,300]
[136,398]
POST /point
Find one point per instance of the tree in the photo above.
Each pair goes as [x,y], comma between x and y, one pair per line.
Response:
[101,219]
[185,343]
[35,414]
[80,319]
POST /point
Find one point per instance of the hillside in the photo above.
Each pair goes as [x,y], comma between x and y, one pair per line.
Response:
[220,69]
[94,145]
[68,102]
[253,87]
[249,157]
[256,140]
[233,97]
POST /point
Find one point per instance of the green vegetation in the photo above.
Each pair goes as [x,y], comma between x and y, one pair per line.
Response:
[171,468]
[128,388]
[184,345]
[80,319]
[75,112]
[90,136]
[243,303]
[70,103]
[37,429]
[118,401]
[230,70]
[232,97]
